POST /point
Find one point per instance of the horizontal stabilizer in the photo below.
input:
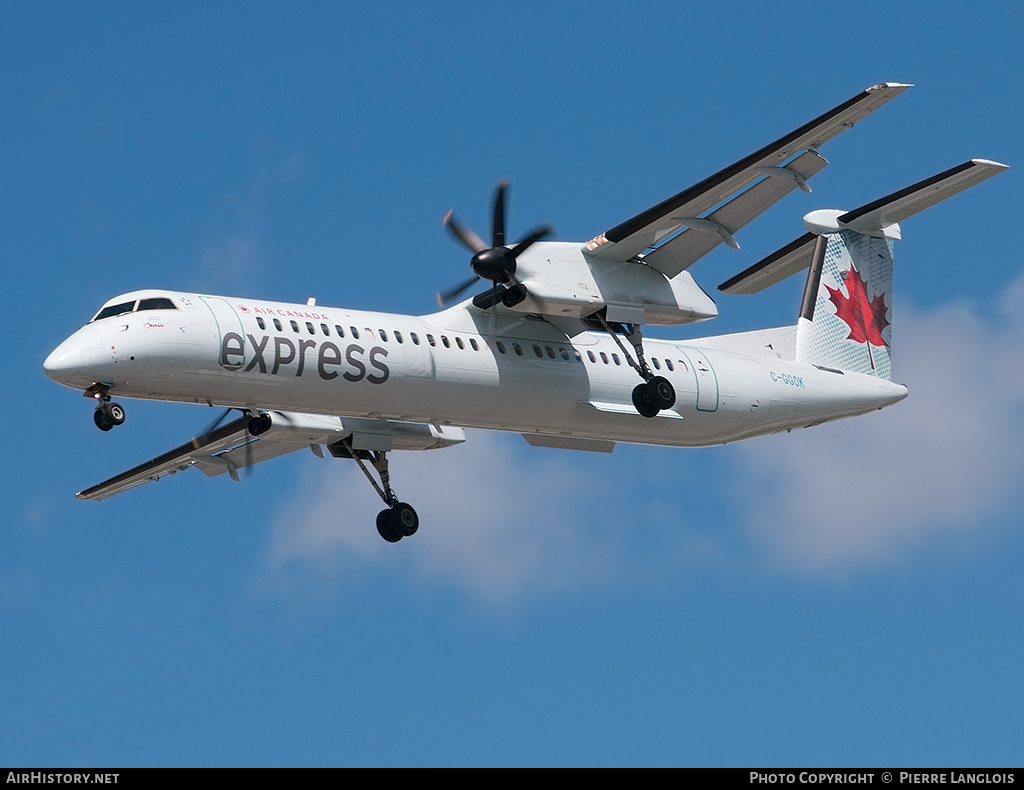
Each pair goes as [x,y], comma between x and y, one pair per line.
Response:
[878,218]
[792,258]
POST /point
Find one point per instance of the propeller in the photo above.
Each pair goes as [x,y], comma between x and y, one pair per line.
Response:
[496,262]
[207,436]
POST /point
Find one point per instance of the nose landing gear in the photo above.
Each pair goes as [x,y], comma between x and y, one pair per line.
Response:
[107,414]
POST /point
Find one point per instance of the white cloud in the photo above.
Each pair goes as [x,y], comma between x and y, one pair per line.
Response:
[497,522]
[501,521]
[870,490]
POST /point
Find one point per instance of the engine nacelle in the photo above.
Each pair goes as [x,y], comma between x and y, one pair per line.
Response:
[561,281]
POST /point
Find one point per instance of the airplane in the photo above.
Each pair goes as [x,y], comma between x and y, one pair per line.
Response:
[552,348]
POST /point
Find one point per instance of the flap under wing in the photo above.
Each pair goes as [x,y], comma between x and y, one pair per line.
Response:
[700,237]
[233,446]
[648,229]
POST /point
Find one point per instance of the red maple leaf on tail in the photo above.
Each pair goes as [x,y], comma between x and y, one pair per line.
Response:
[865,317]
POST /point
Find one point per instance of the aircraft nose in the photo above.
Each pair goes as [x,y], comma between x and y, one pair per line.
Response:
[64,361]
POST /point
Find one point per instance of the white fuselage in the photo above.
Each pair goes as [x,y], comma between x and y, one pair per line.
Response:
[462,366]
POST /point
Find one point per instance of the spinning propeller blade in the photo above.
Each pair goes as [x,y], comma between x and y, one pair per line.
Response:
[496,263]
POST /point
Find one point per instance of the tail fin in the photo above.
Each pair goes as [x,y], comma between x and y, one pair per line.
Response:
[846,314]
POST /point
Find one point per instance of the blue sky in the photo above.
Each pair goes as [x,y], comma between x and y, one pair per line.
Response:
[740,605]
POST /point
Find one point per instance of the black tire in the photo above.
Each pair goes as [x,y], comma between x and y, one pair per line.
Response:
[389,533]
[404,520]
[102,420]
[661,393]
[642,401]
[115,412]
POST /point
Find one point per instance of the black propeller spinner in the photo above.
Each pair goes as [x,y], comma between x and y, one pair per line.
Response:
[496,263]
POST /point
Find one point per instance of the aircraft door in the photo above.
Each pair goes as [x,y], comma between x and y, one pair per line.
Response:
[707,379]
[230,335]
[753,396]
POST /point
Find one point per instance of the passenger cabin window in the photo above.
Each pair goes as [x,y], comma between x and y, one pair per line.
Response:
[277,325]
[518,349]
[261,323]
[310,329]
[398,336]
[295,326]
[354,331]
[339,330]
[415,338]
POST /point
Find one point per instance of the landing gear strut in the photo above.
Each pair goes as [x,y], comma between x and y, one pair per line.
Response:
[398,520]
[107,414]
[655,392]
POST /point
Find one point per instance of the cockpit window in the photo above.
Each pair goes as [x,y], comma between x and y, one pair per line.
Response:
[114,309]
[156,303]
[152,303]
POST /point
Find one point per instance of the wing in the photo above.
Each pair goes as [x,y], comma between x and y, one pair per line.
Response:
[777,168]
[233,446]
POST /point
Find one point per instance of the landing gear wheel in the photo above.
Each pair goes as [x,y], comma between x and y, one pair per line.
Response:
[642,401]
[103,420]
[661,393]
[107,415]
[115,412]
[404,520]
[398,520]
[389,533]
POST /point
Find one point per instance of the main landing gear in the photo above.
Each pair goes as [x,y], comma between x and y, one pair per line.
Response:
[398,520]
[107,414]
[655,393]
